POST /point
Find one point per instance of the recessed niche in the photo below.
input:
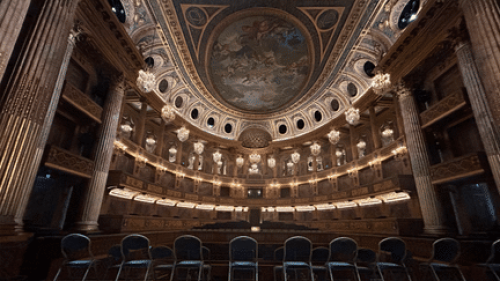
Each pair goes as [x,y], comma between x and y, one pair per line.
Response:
[318,116]
[369,67]
[163,86]
[335,105]
[178,102]
[228,128]
[210,122]
[282,129]
[300,124]
[194,113]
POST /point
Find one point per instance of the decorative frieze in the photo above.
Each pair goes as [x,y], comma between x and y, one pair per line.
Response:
[443,108]
[457,168]
[61,159]
[81,101]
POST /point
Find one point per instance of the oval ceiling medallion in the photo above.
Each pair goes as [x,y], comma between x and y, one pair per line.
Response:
[259,63]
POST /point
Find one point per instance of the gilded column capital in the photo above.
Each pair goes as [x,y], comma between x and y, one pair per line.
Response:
[118,83]
[402,90]
[74,34]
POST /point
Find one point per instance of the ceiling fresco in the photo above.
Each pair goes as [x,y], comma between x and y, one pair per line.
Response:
[259,57]
[259,63]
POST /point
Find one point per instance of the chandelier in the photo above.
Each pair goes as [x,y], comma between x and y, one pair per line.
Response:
[183,134]
[240,161]
[271,162]
[295,157]
[352,116]
[146,81]
[387,133]
[315,149]
[361,144]
[198,147]
[217,156]
[380,83]
[168,114]
[254,158]
[334,136]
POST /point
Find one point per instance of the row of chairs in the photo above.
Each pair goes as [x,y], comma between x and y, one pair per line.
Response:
[297,257]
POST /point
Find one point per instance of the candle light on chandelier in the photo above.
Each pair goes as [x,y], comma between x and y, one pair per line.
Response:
[334,136]
[352,116]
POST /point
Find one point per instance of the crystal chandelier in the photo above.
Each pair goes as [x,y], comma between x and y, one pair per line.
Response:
[361,144]
[271,162]
[334,136]
[146,81]
[315,149]
[198,147]
[217,156]
[254,169]
[387,133]
[172,152]
[254,158]
[168,114]
[240,161]
[295,157]
[381,82]
[352,116]
[183,134]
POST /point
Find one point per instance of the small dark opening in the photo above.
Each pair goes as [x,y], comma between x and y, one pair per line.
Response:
[150,62]
[163,87]
[194,113]
[335,105]
[228,128]
[409,14]
[352,90]
[369,67]
[179,101]
[211,122]
[318,116]
[300,124]
[282,129]
[118,10]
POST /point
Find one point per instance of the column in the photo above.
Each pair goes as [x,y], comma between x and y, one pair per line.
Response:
[354,148]
[482,18]
[429,204]
[375,131]
[47,124]
[12,15]
[92,198]
[479,104]
[159,142]
[26,102]
[141,125]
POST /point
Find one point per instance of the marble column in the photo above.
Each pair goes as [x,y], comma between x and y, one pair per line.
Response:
[432,214]
[12,15]
[47,125]
[26,102]
[479,104]
[93,195]
[482,18]
[375,131]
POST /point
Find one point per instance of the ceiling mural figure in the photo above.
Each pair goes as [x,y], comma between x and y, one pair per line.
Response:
[259,63]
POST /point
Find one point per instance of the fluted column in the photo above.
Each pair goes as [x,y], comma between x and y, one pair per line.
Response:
[26,101]
[47,125]
[375,132]
[12,15]
[432,214]
[141,125]
[92,198]
[479,104]
[482,18]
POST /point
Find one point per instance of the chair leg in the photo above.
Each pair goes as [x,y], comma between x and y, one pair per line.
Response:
[58,272]
[436,277]
[379,272]
[172,273]
[86,272]
[331,273]
[312,273]
[356,272]
[494,273]
[119,272]
[407,273]
[284,273]
[460,272]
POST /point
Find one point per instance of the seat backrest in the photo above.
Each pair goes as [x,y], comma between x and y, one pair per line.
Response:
[394,245]
[495,253]
[188,247]
[75,246]
[115,252]
[343,249]
[135,247]
[297,248]
[279,253]
[366,256]
[205,253]
[243,248]
[320,255]
[162,253]
[445,250]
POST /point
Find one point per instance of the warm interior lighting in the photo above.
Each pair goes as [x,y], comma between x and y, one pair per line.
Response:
[295,157]
[166,202]
[168,113]
[271,162]
[198,147]
[334,136]
[146,81]
[285,209]
[322,207]
[217,156]
[183,134]
[186,205]
[315,149]
[368,202]
[394,197]
[239,161]
[352,116]
[224,208]
[345,204]
[254,158]
[255,229]
[123,193]
[205,207]
[305,208]
[146,198]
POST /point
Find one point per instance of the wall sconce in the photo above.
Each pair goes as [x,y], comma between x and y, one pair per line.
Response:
[352,172]
[271,162]
[254,158]
[381,82]
[334,136]
[198,147]
[121,148]
[146,81]
[168,114]
[295,157]
[183,134]
[141,161]
[352,116]
[217,156]
[315,149]
[240,161]
[172,153]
